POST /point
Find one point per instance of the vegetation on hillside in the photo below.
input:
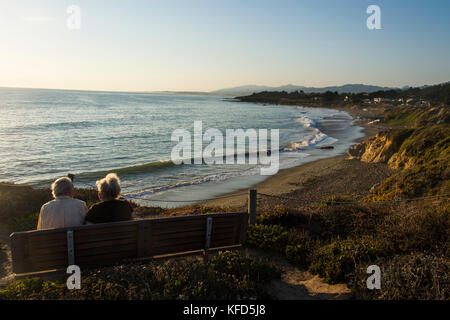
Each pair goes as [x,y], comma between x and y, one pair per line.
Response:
[340,242]
[423,157]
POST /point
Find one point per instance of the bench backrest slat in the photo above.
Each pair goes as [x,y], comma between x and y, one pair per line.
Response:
[42,250]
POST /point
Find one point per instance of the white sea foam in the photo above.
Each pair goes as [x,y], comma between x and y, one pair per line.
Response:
[285,162]
[314,138]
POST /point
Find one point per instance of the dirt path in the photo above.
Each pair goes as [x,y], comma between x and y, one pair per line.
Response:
[296,284]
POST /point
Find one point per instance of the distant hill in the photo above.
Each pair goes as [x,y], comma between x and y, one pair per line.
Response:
[434,95]
[347,88]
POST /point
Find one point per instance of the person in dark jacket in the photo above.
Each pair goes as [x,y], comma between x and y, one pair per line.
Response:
[111,208]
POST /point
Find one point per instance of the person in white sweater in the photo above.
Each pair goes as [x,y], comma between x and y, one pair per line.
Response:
[64,210]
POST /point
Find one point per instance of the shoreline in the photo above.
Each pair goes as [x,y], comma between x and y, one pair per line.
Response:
[280,183]
[321,178]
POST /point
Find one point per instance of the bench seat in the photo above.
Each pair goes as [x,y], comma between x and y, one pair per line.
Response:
[99,244]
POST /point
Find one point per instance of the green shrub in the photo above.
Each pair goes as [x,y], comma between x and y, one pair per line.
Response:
[283,216]
[416,276]
[279,215]
[300,248]
[273,237]
[347,220]
[298,254]
[414,228]
[231,262]
[336,262]
[228,275]
[31,288]
[21,205]
[24,221]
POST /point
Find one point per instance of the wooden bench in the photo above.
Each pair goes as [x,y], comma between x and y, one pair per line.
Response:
[92,245]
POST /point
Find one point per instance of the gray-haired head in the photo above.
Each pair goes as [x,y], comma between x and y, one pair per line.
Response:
[109,186]
[62,187]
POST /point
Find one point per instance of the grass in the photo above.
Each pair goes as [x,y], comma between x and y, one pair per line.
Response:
[405,118]
[416,117]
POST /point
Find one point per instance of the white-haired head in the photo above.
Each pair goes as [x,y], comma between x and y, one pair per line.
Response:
[62,187]
[109,187]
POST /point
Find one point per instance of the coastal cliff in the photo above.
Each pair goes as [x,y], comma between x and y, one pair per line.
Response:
[426,138]
[382,148]
[419,151]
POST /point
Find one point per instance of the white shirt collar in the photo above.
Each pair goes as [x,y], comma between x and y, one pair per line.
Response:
[62,197]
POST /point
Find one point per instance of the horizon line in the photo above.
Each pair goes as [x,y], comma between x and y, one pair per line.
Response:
[209,92]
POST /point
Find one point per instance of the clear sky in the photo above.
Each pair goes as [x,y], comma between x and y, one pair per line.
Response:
[210,44]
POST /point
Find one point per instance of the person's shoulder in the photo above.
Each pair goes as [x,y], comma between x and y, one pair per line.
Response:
[48,204]
[124,202]
[78,201]
[96,205]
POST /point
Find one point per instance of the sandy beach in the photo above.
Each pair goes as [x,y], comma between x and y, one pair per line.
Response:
[319,180]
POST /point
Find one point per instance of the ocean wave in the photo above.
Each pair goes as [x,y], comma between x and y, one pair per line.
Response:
[195,181]
[315,138]
[131,170]
[285,163]
[87,177]
[55,126]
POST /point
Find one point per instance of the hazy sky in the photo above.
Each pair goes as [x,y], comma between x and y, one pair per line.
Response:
[211,44]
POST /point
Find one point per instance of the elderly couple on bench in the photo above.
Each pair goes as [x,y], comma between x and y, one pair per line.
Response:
[65,211]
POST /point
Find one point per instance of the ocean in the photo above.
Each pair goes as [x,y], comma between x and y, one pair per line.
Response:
[46,134]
